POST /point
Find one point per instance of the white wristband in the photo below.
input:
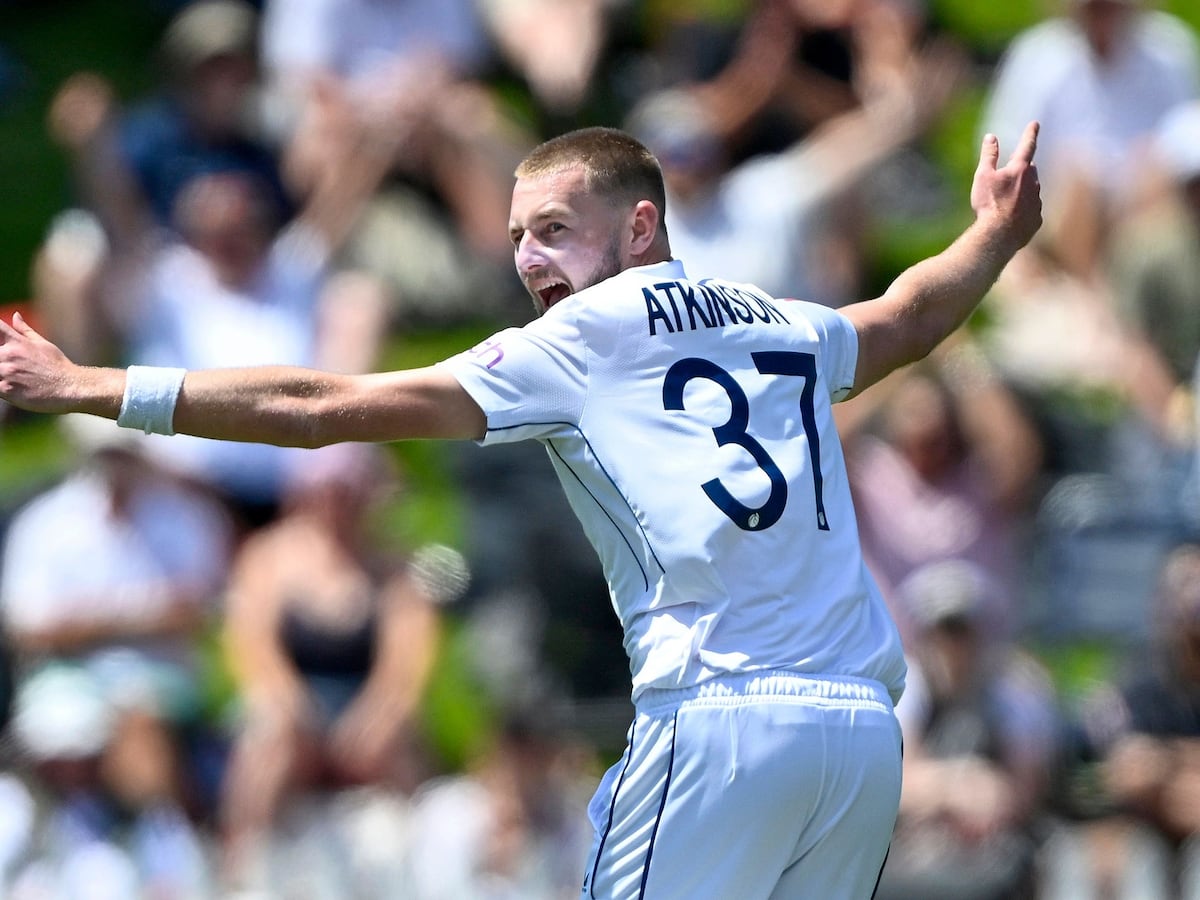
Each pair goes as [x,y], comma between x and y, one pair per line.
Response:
[149,400]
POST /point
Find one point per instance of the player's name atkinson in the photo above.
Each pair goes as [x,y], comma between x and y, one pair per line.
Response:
[689,306]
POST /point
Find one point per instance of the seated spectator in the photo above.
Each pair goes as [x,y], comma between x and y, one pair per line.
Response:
[205,118]
[1100,79]
[942,463]
[980,741]
[513,825]
[70,827]
[116,571]
[332,645]
[1143,732]
[238,292]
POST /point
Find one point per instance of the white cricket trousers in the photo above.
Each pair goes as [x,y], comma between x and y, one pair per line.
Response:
[761,786]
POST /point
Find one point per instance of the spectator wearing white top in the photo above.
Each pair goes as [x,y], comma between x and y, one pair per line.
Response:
[116,571]
[241,287]
[1099,79]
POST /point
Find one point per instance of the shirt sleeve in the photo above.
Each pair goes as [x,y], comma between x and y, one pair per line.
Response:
[531,382]
[839,345]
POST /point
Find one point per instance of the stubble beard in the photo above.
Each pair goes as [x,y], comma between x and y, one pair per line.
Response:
[608,266]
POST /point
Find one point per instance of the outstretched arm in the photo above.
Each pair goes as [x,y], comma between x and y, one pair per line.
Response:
[284,405]
[931,299]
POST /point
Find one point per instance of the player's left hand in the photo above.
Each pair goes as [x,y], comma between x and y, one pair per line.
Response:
[1009,196]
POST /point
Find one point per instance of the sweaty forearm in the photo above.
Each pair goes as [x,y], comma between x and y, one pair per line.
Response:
[937,295]
[302,407]
[284,405]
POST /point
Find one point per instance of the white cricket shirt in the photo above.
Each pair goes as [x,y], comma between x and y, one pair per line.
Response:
[690,425]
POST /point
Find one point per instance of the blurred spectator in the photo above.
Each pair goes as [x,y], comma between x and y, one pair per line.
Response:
[786,221]
[846,54]
[131,164]
[241,292]
[70,829]
[1144,732]
[332,646]
[816,59]
[207,117]
[981,736]
[943,464]
[234,283]
[514,826]
[1155,272]
[421,65]
[111,576]
[538,603]
[555,45]
[1099,79]
[156,551]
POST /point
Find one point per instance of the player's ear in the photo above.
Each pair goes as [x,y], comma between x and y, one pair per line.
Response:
[645,221]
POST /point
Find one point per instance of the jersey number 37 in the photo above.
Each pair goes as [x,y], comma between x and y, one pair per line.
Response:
[735,431]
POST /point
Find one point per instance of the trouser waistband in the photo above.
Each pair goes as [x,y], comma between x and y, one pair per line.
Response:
[836,689]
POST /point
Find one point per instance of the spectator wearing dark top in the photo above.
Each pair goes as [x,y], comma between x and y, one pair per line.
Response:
[1143,734]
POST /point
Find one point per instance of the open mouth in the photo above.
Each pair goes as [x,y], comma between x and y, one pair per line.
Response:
[552,293]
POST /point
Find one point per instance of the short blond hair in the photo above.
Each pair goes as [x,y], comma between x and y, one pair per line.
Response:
[616,165]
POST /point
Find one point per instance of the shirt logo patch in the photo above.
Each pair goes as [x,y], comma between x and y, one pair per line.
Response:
[488,353]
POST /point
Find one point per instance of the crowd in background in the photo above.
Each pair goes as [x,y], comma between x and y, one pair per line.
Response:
[225,677]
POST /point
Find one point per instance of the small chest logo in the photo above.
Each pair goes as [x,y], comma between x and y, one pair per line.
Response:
[489,353]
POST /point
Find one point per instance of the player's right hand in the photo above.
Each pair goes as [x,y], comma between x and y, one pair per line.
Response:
[36,375]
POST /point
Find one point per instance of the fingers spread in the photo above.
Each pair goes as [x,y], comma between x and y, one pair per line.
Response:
[1027,145]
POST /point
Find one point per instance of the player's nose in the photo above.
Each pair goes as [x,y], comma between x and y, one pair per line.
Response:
[528,254]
